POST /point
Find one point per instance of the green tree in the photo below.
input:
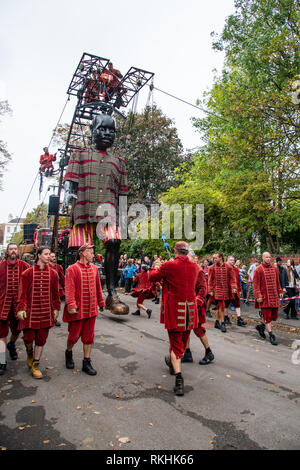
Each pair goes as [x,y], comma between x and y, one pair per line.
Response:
[38,215]
[247,171]
[150,145]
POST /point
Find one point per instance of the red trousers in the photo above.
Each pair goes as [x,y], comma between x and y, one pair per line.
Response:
[38,336]
[269,314]
[143,296]
[199,331]
[178,342]
[84,328]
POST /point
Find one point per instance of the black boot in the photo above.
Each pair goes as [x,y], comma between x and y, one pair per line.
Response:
[87,367]
[227,320]
[148,311]
[208,314]
[12,350]
[217,324]
[241,322]
[261,330]
[273,339]
[136,313]
[57,323]
[2,368]
[187,356]
[170,365]
[156,301]
[179,386]
[209,357]
[69,359]
[223,328]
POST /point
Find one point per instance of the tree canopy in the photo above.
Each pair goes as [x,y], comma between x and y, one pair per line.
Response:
[247,171]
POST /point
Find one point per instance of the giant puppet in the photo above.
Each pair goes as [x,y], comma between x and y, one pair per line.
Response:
[94,180]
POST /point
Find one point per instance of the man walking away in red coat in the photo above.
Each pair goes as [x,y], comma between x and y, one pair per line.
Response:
[181,280]
[83,297]
[267,293]
[10,275]
[38,307]
[221,286]
[236,297]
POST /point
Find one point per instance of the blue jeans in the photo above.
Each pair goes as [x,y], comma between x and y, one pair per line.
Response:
[244,290]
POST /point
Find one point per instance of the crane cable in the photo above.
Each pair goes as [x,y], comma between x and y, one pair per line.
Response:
[61,114]
[191,104]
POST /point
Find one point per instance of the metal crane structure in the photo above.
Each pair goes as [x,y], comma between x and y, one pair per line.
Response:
[99,89]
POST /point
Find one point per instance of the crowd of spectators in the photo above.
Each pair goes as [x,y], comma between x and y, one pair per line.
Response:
[289,276]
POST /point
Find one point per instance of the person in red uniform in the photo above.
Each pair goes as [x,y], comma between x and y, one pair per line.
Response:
[83,297]
[236,297]
[10,274]
[180,279]
[144,290]
[61,277]
[267,293]
[46,162]
[221,286]
[200,331]
[38,307]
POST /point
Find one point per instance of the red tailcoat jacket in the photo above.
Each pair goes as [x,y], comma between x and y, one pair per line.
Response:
[180,279]
[61,277]
[221,281]
[266,285]
[201,291]
[39,297]
[10,276]
[238,282]
[144,285]
[83,292]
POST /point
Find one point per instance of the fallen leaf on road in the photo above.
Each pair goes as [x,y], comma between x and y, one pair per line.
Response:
[97,412]
[62,444]
[46,442]
[212,442]
[21,428]
[124,440]
[111,446]
[159,386]
[228,376]
[87,440]
[150,424]
[3,448]
[78,407]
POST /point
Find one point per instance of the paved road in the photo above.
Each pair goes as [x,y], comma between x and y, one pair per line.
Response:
[247,399]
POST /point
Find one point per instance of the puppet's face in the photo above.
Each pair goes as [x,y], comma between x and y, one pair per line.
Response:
[103,131]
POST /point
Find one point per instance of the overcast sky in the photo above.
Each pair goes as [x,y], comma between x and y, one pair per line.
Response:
[42,41]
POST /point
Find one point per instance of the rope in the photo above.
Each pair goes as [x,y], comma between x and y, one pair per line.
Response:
[191,104]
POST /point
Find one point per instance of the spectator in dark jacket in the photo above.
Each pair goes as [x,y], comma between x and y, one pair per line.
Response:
[282,274]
